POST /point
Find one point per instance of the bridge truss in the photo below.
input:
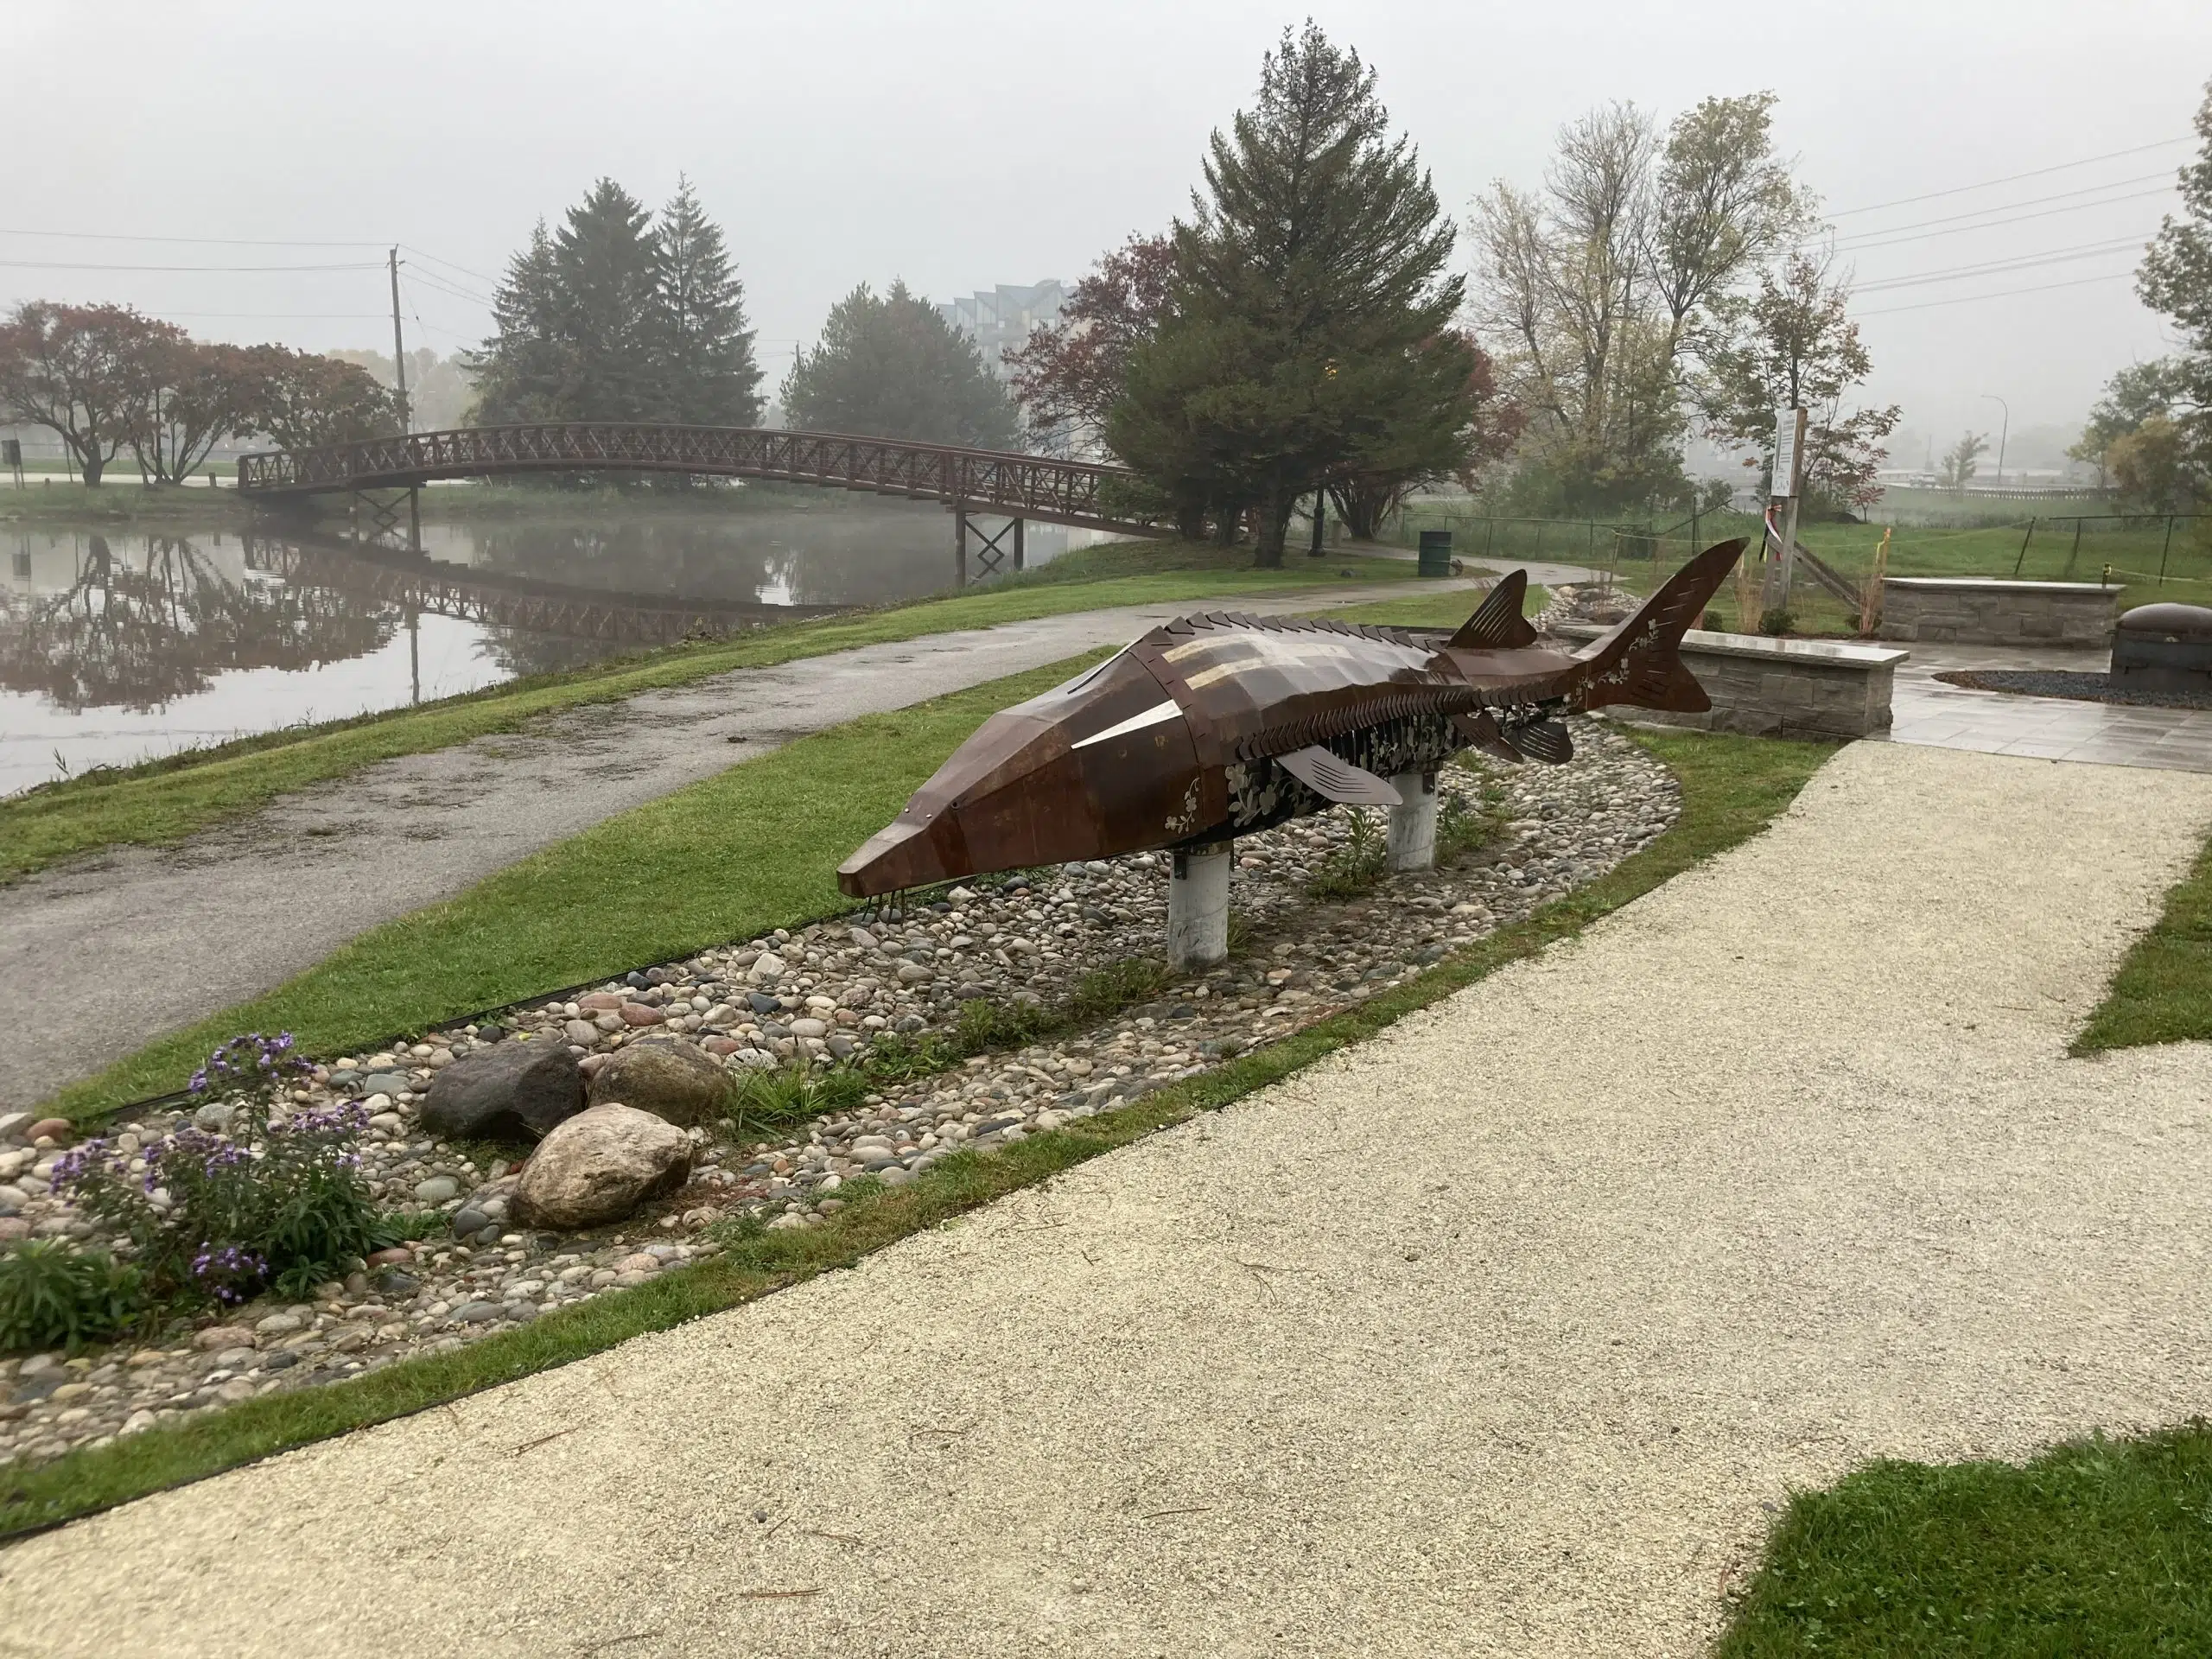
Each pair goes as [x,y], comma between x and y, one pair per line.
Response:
[1086,494]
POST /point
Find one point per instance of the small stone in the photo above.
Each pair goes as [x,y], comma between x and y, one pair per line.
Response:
[213,1118]
[398,1254]
[280,1325]
[223,1336]
[467,1219]
[437,1189]
[478,1312]
[236,1389]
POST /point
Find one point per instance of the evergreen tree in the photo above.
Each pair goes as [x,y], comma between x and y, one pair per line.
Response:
[1310,337]
[606,268]
[894,368]
[707,373]
[520,371]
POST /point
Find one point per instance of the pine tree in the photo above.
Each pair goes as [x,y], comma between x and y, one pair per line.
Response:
[521,370]
[706,372]
[1311,336]
[894,368]
[606,273]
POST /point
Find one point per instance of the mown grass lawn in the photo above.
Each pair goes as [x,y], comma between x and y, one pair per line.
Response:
[1732,788]
[2097,1548]
[164,801]
[2161,992]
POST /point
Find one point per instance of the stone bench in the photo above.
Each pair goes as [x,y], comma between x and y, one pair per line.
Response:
[1777,688]
[1983,611]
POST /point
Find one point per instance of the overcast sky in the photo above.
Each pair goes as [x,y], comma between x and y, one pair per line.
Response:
[961,146]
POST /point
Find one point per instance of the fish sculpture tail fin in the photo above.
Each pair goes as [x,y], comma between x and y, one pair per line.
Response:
[1640,661]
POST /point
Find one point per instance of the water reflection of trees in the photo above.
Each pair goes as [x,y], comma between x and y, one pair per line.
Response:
[137,635]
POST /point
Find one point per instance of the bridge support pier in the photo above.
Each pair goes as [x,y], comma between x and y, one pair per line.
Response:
[993,549]
[1197,908]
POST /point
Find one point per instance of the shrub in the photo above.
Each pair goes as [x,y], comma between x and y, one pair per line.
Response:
[1105,992]
[274,1202]
[52,1295]
[1777,621]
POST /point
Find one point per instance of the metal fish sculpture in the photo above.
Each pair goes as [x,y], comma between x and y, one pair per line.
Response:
[1221,725]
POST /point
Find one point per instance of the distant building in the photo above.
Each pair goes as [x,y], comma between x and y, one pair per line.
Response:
[1001,318]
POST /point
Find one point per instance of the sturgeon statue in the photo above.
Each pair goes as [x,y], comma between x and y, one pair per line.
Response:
[1220,725]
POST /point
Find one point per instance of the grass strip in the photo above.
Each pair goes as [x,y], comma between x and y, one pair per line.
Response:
[163,800]
[2161,992]
[754,848]
[2097,1547]
[1732,788]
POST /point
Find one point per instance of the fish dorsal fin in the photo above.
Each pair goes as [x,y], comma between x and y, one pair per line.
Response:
[1336,778]
[1497,625]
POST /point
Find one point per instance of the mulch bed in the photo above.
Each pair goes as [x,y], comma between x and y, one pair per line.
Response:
[2081,687]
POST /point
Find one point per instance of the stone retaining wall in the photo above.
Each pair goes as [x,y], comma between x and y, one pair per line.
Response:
[1978,611]
[1778,687]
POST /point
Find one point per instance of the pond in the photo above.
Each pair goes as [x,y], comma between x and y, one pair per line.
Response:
[117,646]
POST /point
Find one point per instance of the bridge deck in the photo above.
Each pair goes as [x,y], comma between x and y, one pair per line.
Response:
[1089,494]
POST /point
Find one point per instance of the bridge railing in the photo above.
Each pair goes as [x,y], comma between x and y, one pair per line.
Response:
[1040,486]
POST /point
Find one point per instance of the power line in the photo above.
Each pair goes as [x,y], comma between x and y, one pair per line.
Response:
[2014,178]
[73,264]
[2029,201]
[450,265]
[2018,261]
[200,241]
[1887,240]
[2002,293]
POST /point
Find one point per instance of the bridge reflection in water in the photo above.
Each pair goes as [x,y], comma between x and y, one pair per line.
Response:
[116,647]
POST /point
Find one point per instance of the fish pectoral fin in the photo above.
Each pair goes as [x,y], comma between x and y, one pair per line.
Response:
[1543,739]
[1337,778]
[1480,731]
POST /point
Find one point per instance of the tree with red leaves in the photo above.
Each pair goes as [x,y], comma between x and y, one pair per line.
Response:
[1067,375]
[85,372]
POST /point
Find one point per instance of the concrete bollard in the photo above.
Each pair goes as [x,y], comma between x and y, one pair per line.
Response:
[1197,908]
[1412,824]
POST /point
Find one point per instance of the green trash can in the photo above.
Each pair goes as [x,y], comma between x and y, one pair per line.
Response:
[1435,553]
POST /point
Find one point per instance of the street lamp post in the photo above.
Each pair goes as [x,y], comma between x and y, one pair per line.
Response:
[2003,432]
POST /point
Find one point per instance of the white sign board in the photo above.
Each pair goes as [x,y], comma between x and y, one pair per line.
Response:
[1786,422]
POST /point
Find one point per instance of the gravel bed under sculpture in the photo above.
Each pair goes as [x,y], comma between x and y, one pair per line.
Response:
[824,994]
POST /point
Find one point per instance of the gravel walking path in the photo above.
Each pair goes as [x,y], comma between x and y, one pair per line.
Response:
[1498,1334]
[172,934]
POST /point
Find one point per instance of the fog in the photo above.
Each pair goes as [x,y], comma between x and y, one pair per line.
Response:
[963,146]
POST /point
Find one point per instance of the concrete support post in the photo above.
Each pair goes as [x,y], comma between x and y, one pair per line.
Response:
[1197,908]
[960,543]
[1412,823]
[1021,544]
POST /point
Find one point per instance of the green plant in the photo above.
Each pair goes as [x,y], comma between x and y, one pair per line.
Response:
[1354,868]
[1463,826]
[273,1201]
[1777,621]
[791,1094]
[52,1295]
[1105,992]
[984,1025]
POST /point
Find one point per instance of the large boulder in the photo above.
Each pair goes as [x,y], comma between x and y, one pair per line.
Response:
[517,1090]
[667,1077]
[597,1166]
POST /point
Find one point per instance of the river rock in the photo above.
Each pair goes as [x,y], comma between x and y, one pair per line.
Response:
[515,1090]
[668,1077]
[599,1165]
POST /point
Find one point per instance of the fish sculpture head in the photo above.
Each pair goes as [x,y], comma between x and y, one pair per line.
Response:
[1048,781]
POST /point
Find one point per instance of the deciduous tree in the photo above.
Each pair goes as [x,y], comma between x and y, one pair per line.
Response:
[1067,375]
[893,367]
[1592,290]
[1961,460]
[302,400]
[1793,344]
[83,371]
[1309,335]
[200,394]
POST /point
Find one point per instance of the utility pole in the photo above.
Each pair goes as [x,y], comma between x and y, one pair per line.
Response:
[399,383]
[2003,431]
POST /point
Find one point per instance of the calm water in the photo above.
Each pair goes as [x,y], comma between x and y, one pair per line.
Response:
[116,647]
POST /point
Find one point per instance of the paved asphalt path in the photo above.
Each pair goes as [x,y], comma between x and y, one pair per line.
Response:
[1498,1334]
[160,938]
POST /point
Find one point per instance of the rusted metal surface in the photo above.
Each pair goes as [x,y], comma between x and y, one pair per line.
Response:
[440,589]
[982,480]
[1219,725]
